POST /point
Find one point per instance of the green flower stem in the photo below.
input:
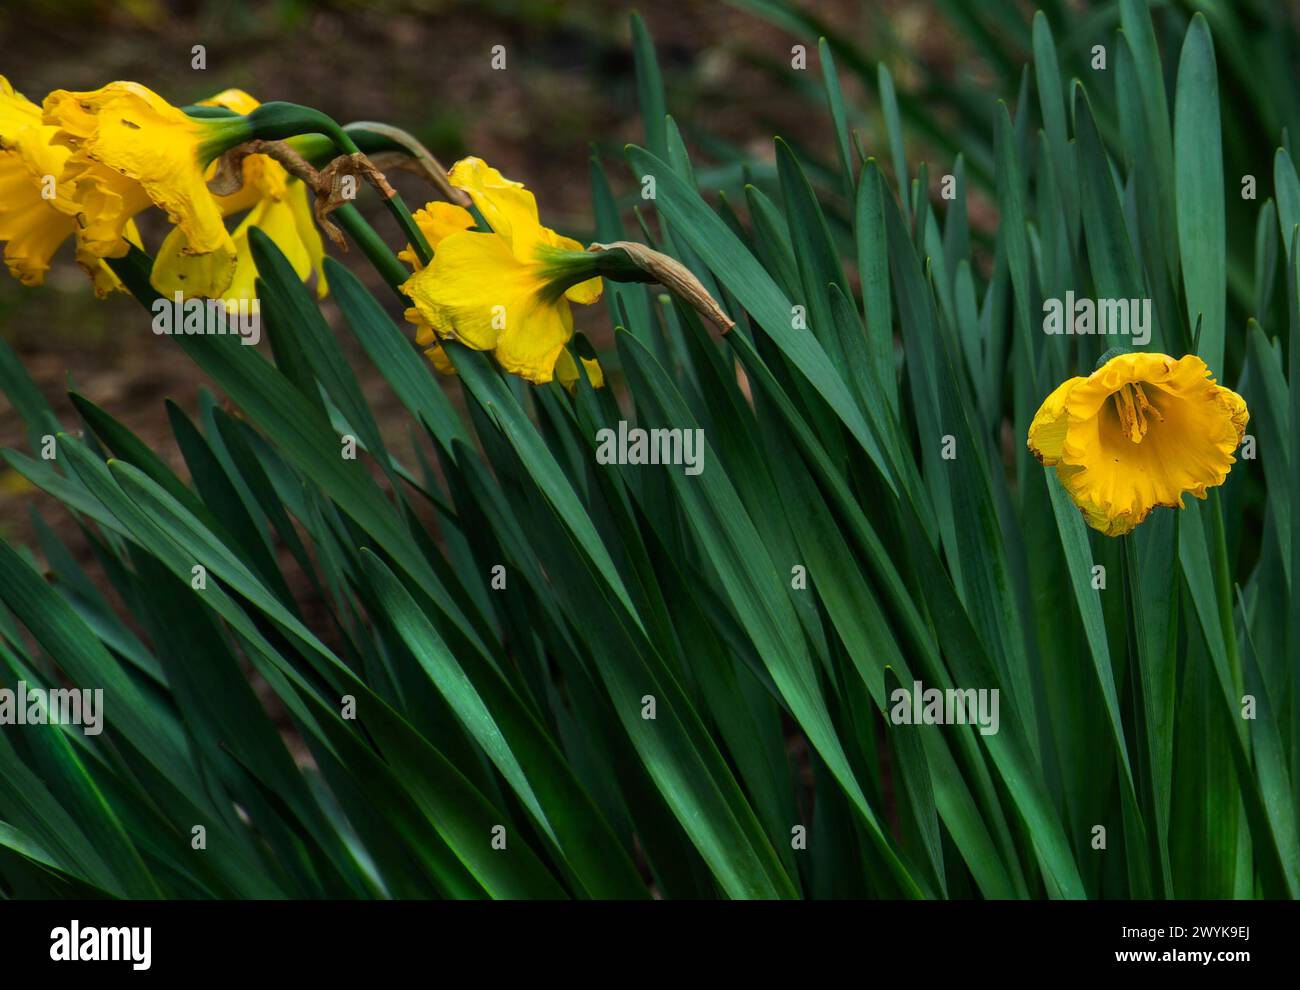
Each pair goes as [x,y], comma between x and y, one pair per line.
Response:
[414,149]
[280,121]
[397,206]
[320,148]
[1149,693]
[1223,589]
[317,137]
[372,246]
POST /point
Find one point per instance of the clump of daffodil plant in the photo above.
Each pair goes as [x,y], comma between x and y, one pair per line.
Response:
[799,518]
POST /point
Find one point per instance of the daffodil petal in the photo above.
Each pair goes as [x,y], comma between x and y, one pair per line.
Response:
[533,339]
[30,227]
[470,288]
[437,356]
[275,219]
[236,100]
[16,113]
[509,208]
[176,268]
[437,221]
[307,232]
[1047,431]
[566,371]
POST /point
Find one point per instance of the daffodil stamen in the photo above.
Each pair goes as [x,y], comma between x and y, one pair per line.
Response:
[1133,406]
[1131,420]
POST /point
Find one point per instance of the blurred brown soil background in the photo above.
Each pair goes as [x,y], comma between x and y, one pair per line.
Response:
[569,85]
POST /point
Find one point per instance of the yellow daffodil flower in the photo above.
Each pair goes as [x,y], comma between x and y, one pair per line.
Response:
[276,202]
[129,148]
[503,290]
[438,221]
[37,211]
[1139,432]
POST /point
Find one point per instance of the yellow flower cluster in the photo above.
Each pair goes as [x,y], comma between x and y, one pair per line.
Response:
[84,165]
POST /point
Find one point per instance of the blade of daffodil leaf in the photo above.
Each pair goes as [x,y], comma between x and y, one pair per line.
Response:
[758,294]
[1292,237]
[26,398]
[33,810]
[1137,154]
[1266,250]
[1051,102]
[894,133]
[1140,36]
[839,117]
[517,745]
[724,531]
[463,817]
[1079,564]
[815,256]
[290,310]
[916,775]
[1286,186]
[1114,265]
[650,89]
[1270,765]
[1155,601]
[88,664]
[64,773]
[89,602]
[1269,411]
[1198,177]
[683,762]
[955,804]
[405,371]
[873,269]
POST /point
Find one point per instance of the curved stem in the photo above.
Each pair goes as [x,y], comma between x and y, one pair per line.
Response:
[428,166]
[372,246]
[281,121]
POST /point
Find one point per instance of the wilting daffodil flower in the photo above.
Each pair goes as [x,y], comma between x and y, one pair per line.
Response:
[275,202]
[507,290]
[37,211]
[129,148]
[1139,432]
